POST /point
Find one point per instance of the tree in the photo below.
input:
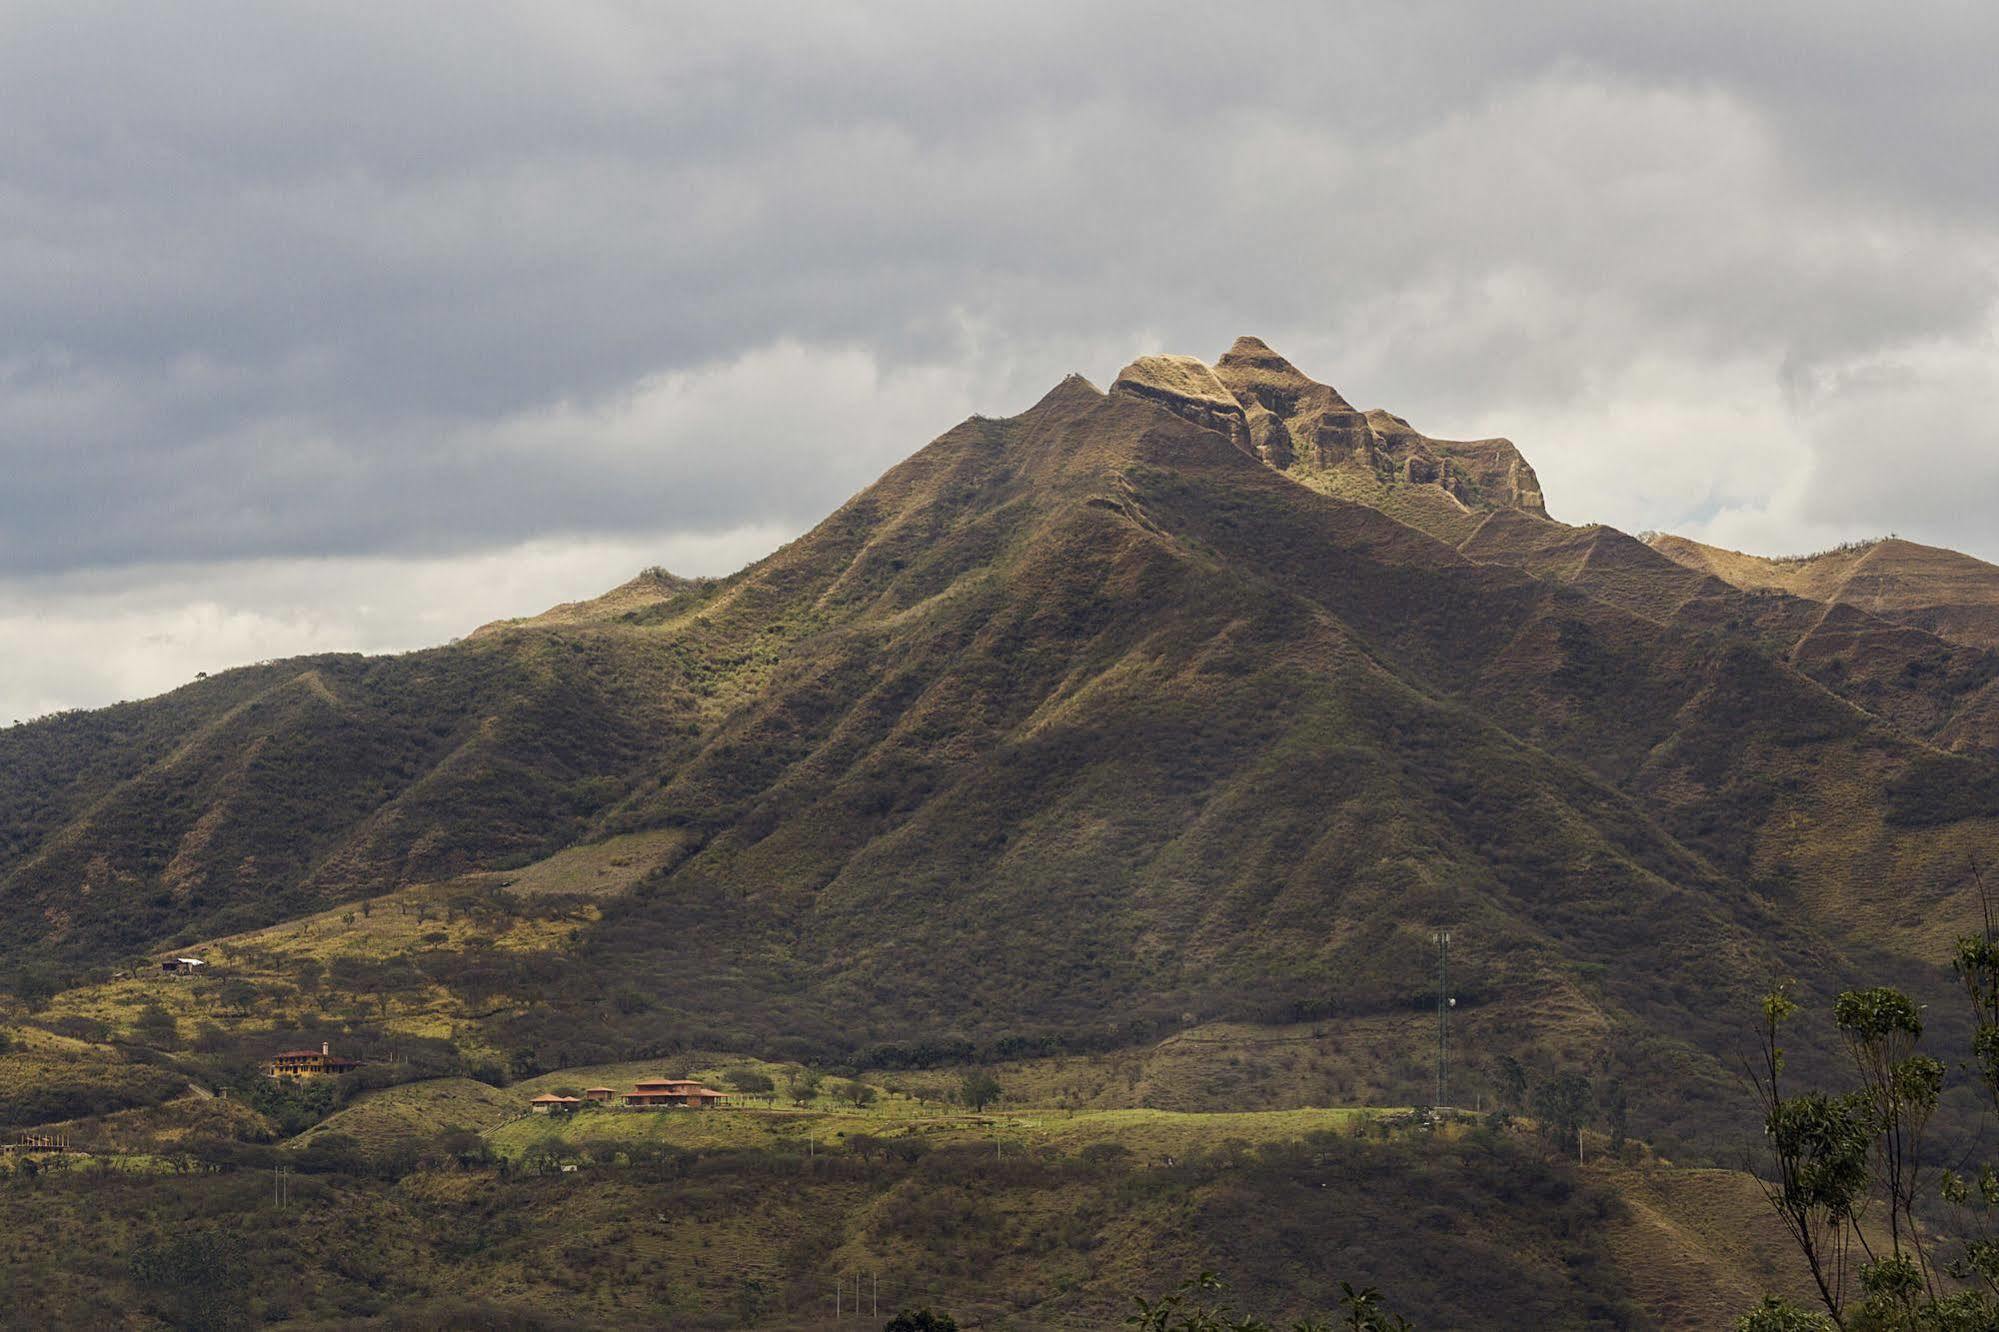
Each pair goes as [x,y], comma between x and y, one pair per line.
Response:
[979,1089]
[751,1082]
[1835,1154]
[1563,1104]
[1195,1306]
[858,1092]
[156,1027]
[237,994]
[196,1277]
[1509,1081]
[1899,1090]
[1363,1311]
[753,1301]
[1780,1315]
[35,986]
[1616,1114]
[805,1085]
[920,1320]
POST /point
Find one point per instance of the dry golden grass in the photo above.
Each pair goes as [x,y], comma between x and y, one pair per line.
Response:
[417,1110]
[1147,1134]
[1948,592]
[1176,377]
[409,922]
[1374,1060]
[1700,1246]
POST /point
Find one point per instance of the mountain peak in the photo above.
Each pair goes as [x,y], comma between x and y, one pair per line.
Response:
[1177,378]
[1274,412]
[1258,376]
[1185,386]
[1074,388]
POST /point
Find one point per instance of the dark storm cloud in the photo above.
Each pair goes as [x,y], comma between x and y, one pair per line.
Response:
[313,280]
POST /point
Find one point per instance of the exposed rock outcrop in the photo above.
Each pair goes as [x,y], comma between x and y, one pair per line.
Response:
[1481,473]
[1188,388]
[1306,428]
[1323,430]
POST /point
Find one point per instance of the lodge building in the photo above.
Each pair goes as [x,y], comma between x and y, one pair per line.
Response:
[550,1104]
[309,1063]
[650,1092]
[646,1094]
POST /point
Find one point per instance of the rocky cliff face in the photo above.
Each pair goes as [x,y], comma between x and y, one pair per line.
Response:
[1267,408]
[1187,388]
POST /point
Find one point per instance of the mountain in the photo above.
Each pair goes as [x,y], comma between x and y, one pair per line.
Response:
[1947,593]
[1204,700]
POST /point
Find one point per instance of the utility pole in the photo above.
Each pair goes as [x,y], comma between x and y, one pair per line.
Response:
[1443,938]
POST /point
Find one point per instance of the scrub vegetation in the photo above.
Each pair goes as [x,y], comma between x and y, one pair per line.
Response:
[1128,753]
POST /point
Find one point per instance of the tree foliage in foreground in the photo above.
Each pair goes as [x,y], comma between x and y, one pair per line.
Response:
[921,1320]
[1847,1170]
[1195,1307]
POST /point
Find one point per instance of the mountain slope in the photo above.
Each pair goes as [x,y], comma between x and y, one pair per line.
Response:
[1944,592]
[1080,724]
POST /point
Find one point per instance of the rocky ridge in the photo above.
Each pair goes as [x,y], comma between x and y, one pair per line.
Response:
[1305,429]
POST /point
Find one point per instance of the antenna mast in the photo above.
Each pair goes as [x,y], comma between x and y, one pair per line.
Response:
[1443,938]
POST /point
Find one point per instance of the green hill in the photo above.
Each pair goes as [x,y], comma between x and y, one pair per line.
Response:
[715,1219]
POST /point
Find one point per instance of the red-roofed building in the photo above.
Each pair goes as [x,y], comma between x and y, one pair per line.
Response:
[603,1094]
[309,1063]
[655,1093]
[550,1104]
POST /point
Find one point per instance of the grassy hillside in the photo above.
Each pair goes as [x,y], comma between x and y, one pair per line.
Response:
[1944,592]
[1082,731]
[722,1219]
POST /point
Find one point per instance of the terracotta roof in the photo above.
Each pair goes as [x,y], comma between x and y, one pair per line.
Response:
[547,1097]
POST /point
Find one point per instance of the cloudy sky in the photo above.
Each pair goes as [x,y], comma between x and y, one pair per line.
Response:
[327,326]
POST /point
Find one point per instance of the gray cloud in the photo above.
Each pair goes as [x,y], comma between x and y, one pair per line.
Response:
[421,284]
